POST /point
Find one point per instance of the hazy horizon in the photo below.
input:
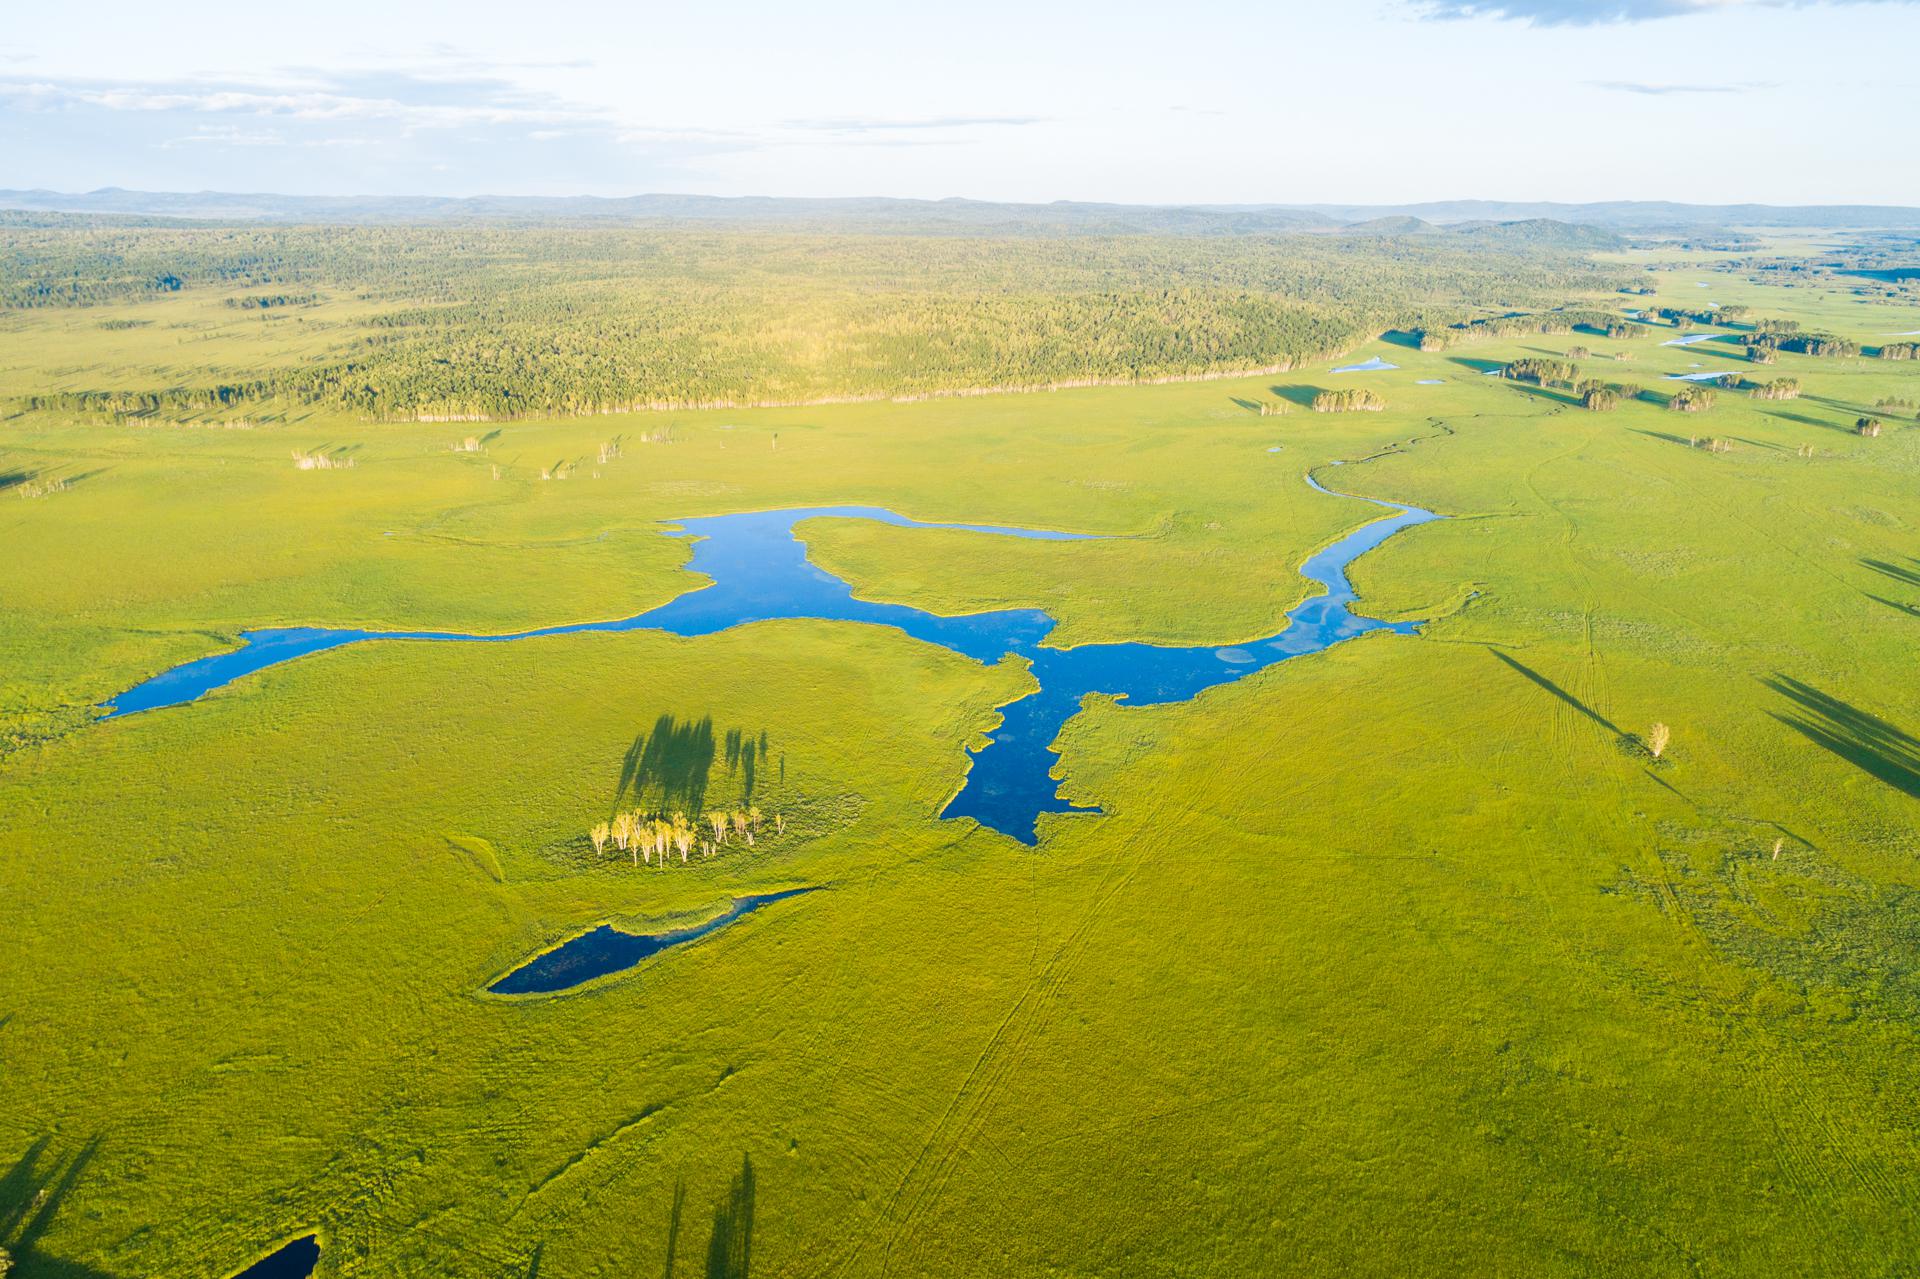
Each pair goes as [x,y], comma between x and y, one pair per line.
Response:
[1387,102]
[958,197]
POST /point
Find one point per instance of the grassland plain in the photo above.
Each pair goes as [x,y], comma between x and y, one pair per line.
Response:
[1405,958]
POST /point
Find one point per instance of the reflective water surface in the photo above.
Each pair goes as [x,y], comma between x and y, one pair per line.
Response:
[760,572]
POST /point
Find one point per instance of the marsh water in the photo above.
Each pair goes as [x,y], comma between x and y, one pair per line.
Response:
[294,1260]
[607,949]
[759,571]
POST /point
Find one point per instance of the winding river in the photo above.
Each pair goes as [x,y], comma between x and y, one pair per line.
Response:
[760,572]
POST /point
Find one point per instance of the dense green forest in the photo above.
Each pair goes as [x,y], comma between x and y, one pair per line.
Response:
[512,320]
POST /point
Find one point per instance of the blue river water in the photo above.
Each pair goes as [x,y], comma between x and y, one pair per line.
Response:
[760,572]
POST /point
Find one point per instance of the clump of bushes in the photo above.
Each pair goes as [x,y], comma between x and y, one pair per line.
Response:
[1353,400]
[1781,388]
[1820,344]
[1692,399]
[1541,372]
[321,460]
[41,488]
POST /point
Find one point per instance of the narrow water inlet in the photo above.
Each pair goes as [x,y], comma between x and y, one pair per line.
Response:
[292,1260]
[606,949]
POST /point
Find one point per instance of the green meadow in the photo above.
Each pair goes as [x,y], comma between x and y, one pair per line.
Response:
[1404,958]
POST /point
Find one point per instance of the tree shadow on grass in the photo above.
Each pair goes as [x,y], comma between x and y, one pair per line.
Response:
[670,765]
[1907,574]
[1560,693]
[1541,392]
[730,1248]
[1681,440]
[1911,610]
[31,1194]
[1836,404]
[1301,395]
[1804,420]
[745,754]
[1866,741]
[673,1224]
[17,478]
[1478,366]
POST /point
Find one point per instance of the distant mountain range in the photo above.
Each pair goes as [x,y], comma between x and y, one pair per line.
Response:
[1494,217]
[1619,215]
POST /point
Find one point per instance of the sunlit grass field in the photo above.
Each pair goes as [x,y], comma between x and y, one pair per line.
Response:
[1403,958]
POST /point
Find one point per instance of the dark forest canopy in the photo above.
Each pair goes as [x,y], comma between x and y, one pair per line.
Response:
[1826,344]
[1557,322]
[504,321]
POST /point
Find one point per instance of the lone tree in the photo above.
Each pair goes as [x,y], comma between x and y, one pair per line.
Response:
[1657,738]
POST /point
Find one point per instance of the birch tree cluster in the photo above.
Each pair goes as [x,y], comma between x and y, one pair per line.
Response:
[653,839]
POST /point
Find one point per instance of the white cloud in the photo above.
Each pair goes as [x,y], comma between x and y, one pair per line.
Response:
[400,100]
[857,125]
[228,136]
[1590,13]
[1664,90]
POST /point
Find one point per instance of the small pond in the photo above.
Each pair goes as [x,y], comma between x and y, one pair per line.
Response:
[606,949]
[294,1260]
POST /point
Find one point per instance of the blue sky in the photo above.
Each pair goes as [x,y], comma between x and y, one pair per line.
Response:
[1204,101]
